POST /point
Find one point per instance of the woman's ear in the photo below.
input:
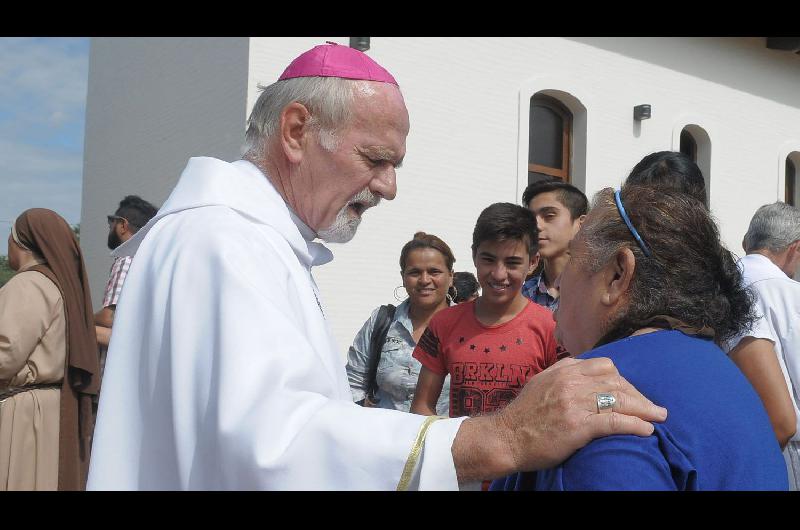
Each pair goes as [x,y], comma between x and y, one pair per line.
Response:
[294,130]
[618,276]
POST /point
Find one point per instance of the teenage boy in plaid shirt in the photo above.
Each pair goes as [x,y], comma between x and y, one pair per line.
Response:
[560,209]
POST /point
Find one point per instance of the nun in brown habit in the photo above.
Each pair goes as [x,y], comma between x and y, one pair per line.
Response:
[48,358]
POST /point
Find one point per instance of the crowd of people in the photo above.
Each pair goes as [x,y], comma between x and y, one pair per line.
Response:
[617,345]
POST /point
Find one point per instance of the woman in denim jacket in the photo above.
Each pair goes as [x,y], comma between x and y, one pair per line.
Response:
[426,266]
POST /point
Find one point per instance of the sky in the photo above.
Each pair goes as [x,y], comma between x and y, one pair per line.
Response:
[42,114]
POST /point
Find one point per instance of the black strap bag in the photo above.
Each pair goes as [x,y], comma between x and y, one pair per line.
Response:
[379,332]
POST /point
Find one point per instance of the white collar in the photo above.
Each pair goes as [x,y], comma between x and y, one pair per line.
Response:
[319,253]
[305,230]
[240,186]
[765,266]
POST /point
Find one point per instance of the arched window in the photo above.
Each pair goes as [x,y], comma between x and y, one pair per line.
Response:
[550,139]
[791,196]
[695,143]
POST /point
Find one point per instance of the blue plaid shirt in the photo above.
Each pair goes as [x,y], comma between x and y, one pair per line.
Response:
[536,290]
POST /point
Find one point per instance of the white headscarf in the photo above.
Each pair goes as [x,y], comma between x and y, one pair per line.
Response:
[15,237]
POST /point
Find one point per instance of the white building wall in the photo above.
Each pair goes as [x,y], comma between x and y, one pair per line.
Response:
[153,103]
[468,103]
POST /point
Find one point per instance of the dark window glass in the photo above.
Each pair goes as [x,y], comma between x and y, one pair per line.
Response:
[688,145]
[791,182]
[549,139]
[547,136]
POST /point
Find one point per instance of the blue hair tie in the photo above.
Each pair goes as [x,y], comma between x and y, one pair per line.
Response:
[627,220]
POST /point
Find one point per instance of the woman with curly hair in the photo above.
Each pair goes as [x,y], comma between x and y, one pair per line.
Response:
[650,285]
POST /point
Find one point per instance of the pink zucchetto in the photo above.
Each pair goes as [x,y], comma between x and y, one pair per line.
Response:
[334,60]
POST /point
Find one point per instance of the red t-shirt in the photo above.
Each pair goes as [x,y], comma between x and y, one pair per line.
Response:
[488,365]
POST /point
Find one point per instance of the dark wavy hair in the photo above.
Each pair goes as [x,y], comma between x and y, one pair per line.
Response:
[423,240]
[670,169]
[466,286]
[504,221]
[690,275]
[571,197]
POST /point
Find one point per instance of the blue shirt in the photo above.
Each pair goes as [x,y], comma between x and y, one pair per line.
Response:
[535,289]
[717,435]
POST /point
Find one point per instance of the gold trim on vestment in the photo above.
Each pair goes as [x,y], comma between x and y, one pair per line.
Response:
[416,450]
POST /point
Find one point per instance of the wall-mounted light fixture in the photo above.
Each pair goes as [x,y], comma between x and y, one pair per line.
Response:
[359,43]
[641,112]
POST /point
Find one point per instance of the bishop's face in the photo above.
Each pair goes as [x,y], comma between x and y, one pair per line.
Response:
[350,171]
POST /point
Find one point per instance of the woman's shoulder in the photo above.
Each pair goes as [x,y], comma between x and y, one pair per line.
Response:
[395,309]
[663,361]
[657,340]
[29,281]
[398,309]
[31,292]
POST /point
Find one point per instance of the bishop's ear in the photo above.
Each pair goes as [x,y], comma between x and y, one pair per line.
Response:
[294,128]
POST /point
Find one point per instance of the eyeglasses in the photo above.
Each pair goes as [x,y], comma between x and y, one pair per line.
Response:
[114,218]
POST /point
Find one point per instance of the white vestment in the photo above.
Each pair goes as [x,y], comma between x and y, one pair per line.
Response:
[222,373]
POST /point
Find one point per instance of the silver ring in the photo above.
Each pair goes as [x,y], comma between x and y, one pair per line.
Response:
[605,402]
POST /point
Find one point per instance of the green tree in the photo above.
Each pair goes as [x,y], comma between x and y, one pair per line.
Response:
[5,271]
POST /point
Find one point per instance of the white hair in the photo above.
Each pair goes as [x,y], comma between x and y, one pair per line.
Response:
[328,99]
[345,225]
[773,227]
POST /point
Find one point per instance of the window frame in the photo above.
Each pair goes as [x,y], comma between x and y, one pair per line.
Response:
[564,173]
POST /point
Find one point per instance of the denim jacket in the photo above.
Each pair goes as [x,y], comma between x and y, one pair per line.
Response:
[397,370]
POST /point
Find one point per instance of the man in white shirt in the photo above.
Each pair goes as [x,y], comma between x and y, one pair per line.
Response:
[223,373]
[769,353]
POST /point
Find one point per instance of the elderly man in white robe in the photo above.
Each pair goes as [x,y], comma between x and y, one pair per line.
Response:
[222,373]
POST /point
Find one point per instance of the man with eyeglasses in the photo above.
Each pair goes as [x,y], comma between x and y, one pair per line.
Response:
[132,214]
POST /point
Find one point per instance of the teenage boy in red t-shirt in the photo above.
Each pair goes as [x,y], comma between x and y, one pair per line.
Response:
[493,345]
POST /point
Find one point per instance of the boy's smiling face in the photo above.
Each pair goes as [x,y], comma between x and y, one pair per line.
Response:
[502,267]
